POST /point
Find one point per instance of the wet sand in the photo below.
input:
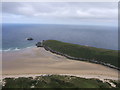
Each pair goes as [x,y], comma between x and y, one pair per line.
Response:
[37,61]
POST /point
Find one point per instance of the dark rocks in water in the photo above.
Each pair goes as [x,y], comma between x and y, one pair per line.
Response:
[30,39]
[39,44]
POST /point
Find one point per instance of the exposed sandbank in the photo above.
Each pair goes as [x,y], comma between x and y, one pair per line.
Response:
[37,61]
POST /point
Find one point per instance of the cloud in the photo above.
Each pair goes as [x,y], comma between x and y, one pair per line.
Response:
[61,11]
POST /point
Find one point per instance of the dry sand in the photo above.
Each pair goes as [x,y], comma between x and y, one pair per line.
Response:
[37,61]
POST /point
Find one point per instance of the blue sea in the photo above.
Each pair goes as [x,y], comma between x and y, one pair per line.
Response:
[14,35]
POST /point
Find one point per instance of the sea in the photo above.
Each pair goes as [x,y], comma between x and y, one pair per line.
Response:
[14,35]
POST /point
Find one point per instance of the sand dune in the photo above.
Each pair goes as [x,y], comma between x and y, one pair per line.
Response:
[37,61]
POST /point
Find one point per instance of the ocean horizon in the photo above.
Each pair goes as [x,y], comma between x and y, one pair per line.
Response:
[14,35]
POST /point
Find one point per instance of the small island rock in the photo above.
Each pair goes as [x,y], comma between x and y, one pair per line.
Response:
[29,38]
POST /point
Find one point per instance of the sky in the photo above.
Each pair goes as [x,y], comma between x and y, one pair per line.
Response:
[78,13]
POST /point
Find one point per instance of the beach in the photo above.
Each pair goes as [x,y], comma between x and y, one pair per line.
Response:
[37,61]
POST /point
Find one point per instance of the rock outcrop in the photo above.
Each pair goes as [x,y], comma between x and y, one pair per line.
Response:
[29,39]
[39,44]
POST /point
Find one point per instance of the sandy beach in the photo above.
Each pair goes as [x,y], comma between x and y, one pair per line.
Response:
[38,61]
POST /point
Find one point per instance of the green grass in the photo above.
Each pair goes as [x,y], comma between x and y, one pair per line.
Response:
[54,81]
[86,52]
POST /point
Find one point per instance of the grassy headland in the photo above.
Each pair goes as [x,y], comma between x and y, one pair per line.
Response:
[54,81]
[79,52]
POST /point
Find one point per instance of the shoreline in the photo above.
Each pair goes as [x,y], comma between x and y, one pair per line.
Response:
[81,59]
[42,44]
[49,63]
[16,49]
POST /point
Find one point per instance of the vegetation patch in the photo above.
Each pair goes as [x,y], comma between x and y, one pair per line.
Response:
[54,81]
[109,57]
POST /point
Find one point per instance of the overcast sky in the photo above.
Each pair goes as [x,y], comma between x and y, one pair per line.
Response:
[99,13]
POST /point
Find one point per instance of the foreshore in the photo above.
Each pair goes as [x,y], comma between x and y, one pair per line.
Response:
[37,61]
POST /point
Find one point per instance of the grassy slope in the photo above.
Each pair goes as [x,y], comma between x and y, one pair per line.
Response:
[79,51]
[54,81]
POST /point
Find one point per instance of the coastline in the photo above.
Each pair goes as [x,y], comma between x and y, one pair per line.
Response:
[37,61]
[73,56]
[81,59]
[15,49]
